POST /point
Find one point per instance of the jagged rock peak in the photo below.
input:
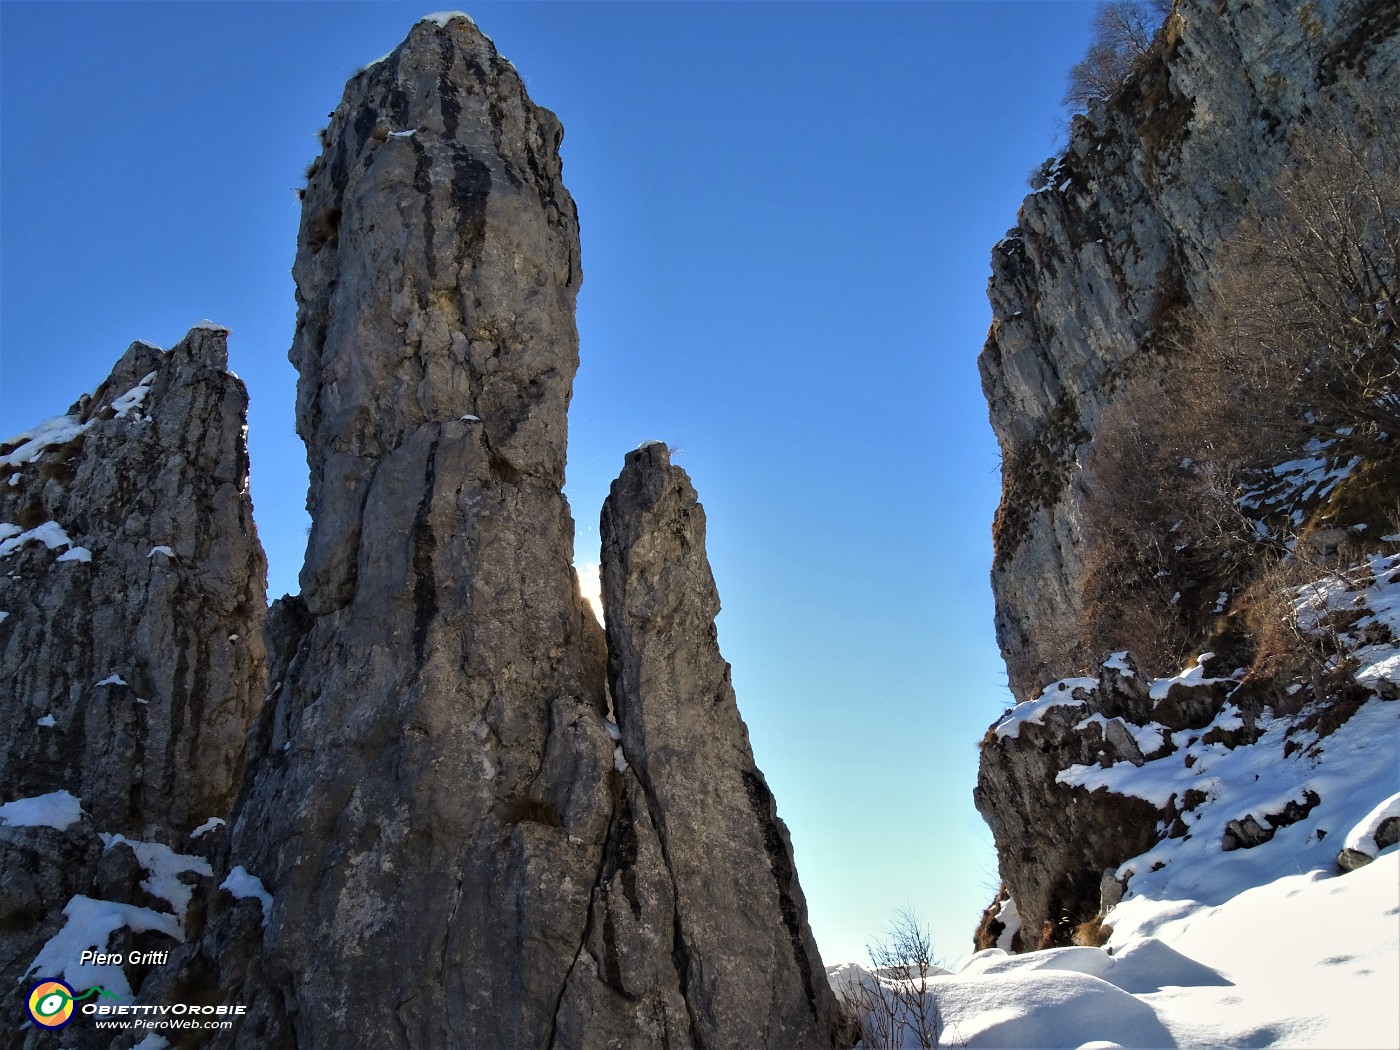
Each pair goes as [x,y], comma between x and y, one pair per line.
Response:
[132,594]
[749,968]
[130,553]
[436,273]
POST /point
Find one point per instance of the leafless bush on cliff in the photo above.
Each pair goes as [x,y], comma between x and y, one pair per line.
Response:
[1295,353]
[1123,32]
[1160,530]
[1299,341]
[894,1003]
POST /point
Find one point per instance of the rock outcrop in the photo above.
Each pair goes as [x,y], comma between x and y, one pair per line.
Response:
[1116,254]
[1110,264]
[750,972]
[130,640]
[451,832]
[1056,840]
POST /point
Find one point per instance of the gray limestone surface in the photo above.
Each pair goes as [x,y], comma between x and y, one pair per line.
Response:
[454,817]
[131,655]
[431,802]
[751,972]
[1115,253]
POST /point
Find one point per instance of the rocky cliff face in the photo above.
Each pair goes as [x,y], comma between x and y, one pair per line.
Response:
[748,968]
[130,647]
[466,816]
[1116,254]
[1110,266]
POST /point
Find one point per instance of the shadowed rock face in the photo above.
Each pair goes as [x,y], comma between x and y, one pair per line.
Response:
[131,656]
[748,966]
[436,272]
[443,836]
[432,801]
[458,852]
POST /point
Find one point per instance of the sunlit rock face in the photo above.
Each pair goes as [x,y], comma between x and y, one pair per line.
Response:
[1110,262]
[1114,255]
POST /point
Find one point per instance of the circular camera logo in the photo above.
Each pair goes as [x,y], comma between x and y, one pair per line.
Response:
[51,1004]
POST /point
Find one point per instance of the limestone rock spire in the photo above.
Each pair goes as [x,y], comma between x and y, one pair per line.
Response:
[455,849]
[431,794]
[750,971]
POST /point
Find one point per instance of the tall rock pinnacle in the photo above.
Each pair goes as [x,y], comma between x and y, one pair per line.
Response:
[751,972]
[457,851]
[463,816]
[437,268]
[434,792]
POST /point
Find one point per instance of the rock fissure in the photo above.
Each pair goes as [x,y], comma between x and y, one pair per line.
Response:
[779,859]
[425,607]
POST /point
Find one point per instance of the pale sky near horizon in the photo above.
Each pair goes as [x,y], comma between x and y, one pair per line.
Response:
[787,213]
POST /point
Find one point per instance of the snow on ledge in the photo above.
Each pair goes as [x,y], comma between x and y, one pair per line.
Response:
[163,867]
[1148,738]
[1190,677]
[1119,662]
[134,397]
[58,809]
[50,534]
[33,442]
[208,826]
[91,924]
[242,885]
[442,18]
[1032,712]
[1362,837]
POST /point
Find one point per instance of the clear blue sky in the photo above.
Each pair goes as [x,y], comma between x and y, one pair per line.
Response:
[787,214]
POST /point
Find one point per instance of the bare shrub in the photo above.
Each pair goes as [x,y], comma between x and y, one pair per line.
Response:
[991,927]
[1123,34]
[1161,532]
[1295,354]
[1092,933]
[1298,341]
[894,1004]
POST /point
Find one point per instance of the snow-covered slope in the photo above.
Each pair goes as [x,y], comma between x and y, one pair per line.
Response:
[1305,960]
[1268,911]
